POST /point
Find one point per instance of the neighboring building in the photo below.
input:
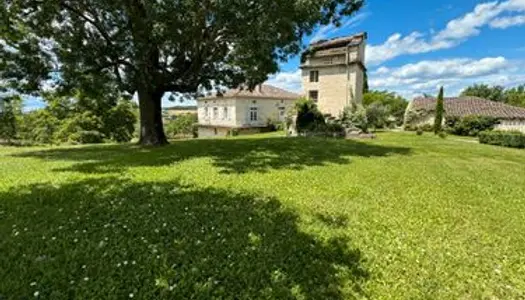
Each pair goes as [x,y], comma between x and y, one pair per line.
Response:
[243,110]
[510,117]
[171,113]
[333,72]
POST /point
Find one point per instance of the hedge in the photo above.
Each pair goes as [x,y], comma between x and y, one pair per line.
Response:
[511,139]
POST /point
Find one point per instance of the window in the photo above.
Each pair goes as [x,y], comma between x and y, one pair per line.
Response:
[206,112]
[253,114]
[314,96]
[314,76]
[225,113]
[215,112]
[281,111]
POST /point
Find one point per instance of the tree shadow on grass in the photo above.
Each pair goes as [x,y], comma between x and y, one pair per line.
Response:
[229,155]
[110,238]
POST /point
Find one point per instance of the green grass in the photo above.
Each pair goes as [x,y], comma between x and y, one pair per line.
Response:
[264,217]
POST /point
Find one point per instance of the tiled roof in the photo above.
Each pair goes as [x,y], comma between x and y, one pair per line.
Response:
[355,39]
[264,91]
[467,106]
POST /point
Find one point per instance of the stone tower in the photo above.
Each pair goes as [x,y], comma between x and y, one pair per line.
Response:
[333,72]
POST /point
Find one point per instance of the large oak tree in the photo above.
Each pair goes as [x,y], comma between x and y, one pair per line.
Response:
[151,47]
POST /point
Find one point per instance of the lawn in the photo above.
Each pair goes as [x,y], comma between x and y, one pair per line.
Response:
[264,217]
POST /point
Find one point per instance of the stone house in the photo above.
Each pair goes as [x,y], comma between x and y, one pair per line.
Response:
[421,111]
[333,72]
[243,111]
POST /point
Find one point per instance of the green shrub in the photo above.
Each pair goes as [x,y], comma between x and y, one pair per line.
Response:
[81,128]
[86,137]
[355,116]
[511,139]
[419,131]
[39,127]
[427,127]
[440,110]
[309,118]
[119,124]
[182,125]
[442,134]
[470,125]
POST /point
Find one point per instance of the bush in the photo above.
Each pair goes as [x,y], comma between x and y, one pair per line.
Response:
[39,127]
[419,131]
[511,139]
[470,125]
[309,118]
[442,134]
[355,117]
[182,125]
[119,124]
[80,129]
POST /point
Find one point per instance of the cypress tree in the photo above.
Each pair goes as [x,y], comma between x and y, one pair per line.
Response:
[439,112]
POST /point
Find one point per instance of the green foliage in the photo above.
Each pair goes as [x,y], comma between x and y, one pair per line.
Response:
[494,93]
[183,125]
[81,128]
[309,118]
[442,134]
[355,117]
[9,114]
[470,125]
[512,96]
[39,127]
[394,104]
[78,119]
[419,131]
[378,115]
[119,123]
[440,111]
[503,138]
[153,47]
[515,96]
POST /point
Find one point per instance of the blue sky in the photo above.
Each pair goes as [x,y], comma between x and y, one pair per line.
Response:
[416,46]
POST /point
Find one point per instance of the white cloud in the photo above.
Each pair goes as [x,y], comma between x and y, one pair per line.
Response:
[505,22]
[330,30]
[290,81]
[455,32]
[455,74]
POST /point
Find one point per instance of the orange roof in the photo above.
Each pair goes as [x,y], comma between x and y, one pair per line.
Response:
[471,106]
[264,91]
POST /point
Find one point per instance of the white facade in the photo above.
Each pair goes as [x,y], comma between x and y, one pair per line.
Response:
[218,115]
[511,125]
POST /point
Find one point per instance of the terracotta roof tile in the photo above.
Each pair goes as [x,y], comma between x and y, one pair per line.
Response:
[264,91]
[465,106]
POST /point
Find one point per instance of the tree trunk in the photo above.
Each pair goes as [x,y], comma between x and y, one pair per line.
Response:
[151,125]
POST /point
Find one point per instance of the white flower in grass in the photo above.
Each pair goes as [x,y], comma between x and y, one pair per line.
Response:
[36,294]
[75,240]
[32,283]
[133,262]
[125,262]
[86,278]
[53,238]
[83,266]
[131,295]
